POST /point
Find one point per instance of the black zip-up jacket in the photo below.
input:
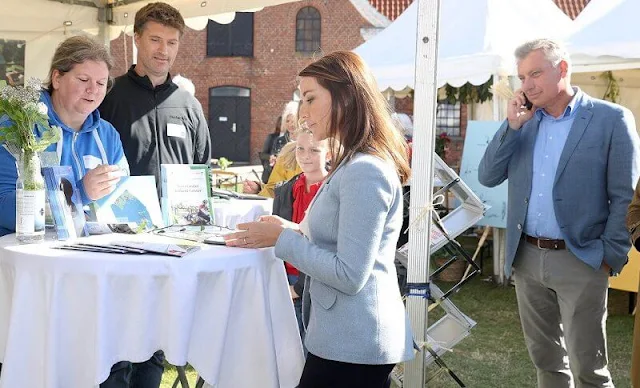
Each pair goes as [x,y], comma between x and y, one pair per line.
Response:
[283,207]
[158,125]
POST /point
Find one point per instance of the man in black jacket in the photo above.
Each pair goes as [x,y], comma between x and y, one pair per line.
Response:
[157,121]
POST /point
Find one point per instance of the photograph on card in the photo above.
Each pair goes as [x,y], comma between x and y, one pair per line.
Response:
[64,202]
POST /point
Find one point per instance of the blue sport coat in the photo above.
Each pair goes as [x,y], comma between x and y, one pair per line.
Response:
[593,186]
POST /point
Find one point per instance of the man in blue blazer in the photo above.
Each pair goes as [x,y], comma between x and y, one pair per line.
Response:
[572,164]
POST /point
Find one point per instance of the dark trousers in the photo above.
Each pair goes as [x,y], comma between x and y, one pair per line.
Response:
[321,373]
[148,374]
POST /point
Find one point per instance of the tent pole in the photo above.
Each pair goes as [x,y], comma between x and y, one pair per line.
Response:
[425,95]
[103,27]
[499,234]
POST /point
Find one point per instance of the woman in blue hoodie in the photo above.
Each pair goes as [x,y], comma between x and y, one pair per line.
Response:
[78,82]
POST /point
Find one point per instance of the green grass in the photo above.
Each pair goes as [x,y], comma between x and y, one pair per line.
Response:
[494,355]
[170,375]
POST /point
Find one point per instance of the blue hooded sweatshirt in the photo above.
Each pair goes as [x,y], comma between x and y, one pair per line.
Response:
[97,142]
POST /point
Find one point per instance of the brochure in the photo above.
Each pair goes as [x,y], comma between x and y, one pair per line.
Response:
[135,199]
[133,247]
[186,193]
[64,201]
[209,234]
[178,250]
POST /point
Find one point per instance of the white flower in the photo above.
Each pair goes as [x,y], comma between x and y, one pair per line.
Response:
[56,129]
[22,107]
[42,108]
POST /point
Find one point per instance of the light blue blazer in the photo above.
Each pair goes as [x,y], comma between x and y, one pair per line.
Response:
[594,182]
[352,307]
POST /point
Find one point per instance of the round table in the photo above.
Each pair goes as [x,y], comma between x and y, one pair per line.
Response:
[66,317]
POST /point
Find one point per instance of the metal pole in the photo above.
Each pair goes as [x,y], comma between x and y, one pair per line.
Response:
[425,95]
[499,234]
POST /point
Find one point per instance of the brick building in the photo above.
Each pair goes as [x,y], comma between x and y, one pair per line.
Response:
[244,88]
[245,72]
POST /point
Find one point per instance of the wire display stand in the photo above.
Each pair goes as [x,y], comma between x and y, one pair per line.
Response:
[453,325]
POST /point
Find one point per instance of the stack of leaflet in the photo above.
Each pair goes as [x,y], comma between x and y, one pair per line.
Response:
[208,234]
[133,247]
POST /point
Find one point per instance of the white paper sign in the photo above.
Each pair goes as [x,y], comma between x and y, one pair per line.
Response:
[176,130]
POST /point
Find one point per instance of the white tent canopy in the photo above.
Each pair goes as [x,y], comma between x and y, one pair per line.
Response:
[607,36]
[476,40]
[29,19]
[43,24]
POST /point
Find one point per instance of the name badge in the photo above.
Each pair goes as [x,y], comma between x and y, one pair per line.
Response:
[176,130]
[91,162]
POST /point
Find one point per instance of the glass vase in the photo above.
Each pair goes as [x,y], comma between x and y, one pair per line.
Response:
[30,199]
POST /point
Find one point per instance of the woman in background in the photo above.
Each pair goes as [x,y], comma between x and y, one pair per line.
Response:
[283,170]
[265,154]
[288,130]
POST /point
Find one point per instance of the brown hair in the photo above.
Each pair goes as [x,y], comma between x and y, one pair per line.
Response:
[161,13]
[74,51]
[278,125]
[360,116]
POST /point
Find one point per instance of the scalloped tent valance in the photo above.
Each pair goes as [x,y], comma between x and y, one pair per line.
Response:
[43,24]
[32,19]
[476,41]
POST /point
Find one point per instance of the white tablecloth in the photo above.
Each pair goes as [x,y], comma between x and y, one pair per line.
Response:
[66,317]
[231,212]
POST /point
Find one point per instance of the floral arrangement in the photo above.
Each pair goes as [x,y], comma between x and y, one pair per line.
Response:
[21,106]
[442,141]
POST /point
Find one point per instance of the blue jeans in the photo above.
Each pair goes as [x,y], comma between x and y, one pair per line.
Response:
[297,306]
[147,374]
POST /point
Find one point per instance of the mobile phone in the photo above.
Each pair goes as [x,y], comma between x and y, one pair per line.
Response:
[527,104]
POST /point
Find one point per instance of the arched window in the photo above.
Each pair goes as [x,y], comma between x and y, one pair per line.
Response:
[307,30]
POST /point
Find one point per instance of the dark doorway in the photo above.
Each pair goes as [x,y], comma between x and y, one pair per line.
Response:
[230,122]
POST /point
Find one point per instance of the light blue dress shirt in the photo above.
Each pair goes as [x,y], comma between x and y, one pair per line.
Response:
[552,135]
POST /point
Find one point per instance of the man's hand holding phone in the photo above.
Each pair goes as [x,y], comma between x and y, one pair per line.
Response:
[519,110]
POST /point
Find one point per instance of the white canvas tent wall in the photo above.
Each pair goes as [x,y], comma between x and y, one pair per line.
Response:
[43,24]
[607,36]
[476,41]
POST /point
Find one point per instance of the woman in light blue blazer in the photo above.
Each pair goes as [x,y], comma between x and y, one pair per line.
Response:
[356,326]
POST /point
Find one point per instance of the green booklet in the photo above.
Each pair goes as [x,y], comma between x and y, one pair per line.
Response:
[186,194]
